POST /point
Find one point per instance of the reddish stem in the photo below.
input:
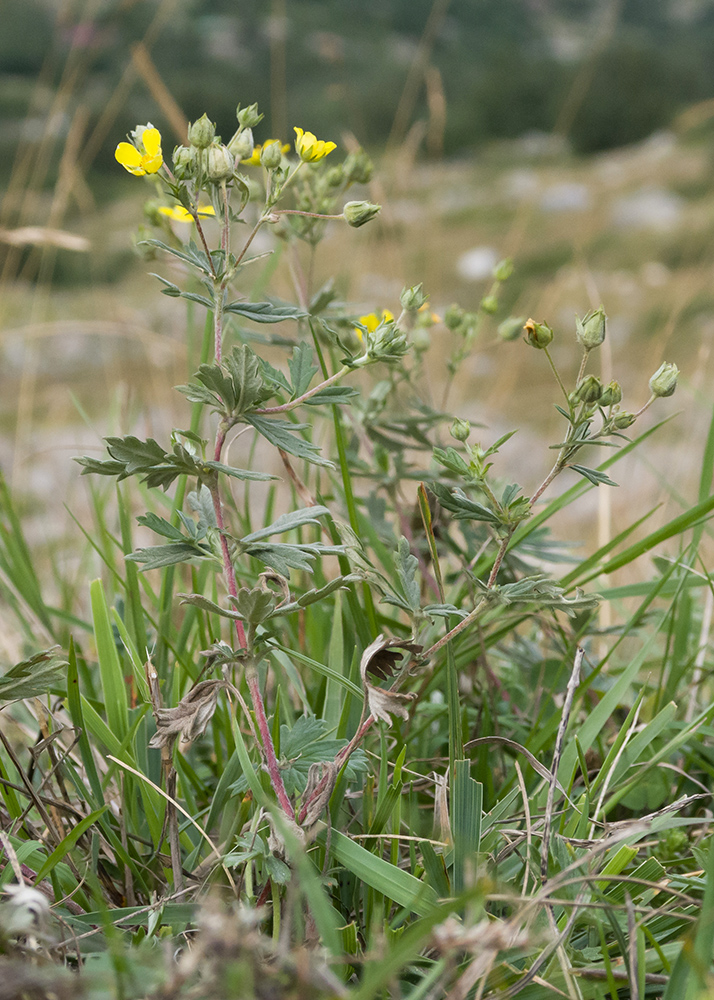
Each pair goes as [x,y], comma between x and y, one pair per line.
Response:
[276,778]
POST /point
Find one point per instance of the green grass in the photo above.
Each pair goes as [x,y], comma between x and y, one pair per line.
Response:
[506,794]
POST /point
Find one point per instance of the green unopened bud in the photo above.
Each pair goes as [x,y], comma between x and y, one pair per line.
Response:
[590,330]
[611,394]
[503,270]
[358,168]
[219,163]
[271,155]
[460,429]
[356,213]
[248,117]
[489,304]
[413,299]
[511,328]
[622,420]
[184,161]
[335,176]
[242,144]
[588,390]
[454,317]
[538,334]
[385,343]
[202,133]
[664,380]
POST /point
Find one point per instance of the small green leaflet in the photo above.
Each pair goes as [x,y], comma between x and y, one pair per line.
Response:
[302,369]
[33,677]
[264,312]
[282,434]
[595,477]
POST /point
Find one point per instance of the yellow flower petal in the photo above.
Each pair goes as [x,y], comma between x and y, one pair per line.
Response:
[130,158]
[309,148]
[180,214]
[151,138]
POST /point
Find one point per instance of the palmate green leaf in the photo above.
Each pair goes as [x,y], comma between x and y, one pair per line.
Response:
[244,369]
[452,460]
[282,434]
[34,677]
[283,557]
[307,743]
[264,312]
[217,384]
[463,509]
[302,368]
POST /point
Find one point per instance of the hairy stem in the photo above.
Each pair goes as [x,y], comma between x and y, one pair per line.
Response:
[285,407]
[271,761]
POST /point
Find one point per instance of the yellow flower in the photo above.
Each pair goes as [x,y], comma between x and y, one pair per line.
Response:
[371,321]
[180,214]
[145,158]
[310,149]
[254,159]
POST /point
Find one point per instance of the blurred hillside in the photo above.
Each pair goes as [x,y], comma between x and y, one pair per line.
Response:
[603,73]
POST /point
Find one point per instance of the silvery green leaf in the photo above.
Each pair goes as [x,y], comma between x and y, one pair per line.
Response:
[286,522]
[244,369]
[595,477]
[34,677]
[201,503]
[264,312]
[407,566]
[283,434]
[199,601]
[338,395]
[158,556]
[302,369]
[161,526]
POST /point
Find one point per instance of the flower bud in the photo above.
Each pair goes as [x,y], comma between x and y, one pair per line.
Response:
[248,117]
[271,154]
[538,335]
[184,161]
[454,317]
[460,429]
[385,342]
[412,299]
[356,213]
[202,133]
[335,176]
[358,168]
[503,270]
[489,304]
[511,328]
[242,144]
[611,394]
[664,380]
[590,330]
[220,163]
[588,390]
[622,420]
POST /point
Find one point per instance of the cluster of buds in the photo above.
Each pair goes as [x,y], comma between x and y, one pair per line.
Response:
[384,342]
[590,393]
